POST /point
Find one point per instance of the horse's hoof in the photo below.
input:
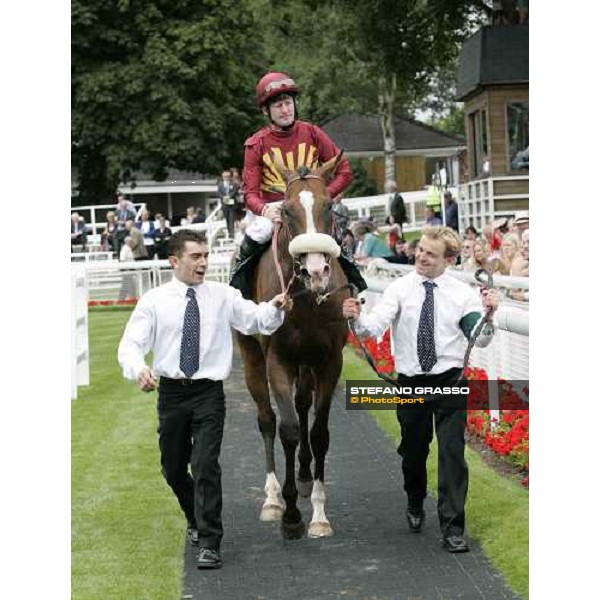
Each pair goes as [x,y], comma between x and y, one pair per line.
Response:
[271,512]
[304,487]
[293,531]
[320,530]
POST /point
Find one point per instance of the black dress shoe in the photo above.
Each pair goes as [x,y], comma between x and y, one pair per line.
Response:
[192,535]
[209,559]
[415,518]
[455,543]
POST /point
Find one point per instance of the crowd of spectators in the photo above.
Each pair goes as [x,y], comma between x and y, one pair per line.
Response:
[501,248]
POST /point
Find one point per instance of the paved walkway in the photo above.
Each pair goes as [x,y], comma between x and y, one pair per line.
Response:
[371,556]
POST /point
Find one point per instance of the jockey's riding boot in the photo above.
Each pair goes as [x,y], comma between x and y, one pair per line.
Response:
[243,269]
[350,269]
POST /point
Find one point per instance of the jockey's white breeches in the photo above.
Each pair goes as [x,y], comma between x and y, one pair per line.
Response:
[260,229]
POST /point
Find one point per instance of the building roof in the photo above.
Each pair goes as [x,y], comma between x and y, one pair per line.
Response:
[358,133]
[494,55]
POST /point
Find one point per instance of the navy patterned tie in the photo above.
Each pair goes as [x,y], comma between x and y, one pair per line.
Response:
[425,337]
[189,358]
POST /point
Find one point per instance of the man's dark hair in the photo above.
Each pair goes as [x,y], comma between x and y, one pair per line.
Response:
[176,244]
[347,232]
[471,228]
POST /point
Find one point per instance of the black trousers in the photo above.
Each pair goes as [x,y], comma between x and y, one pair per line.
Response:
[190,431]
[416,426]
[229,216]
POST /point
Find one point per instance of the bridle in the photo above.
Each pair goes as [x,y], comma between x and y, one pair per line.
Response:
[296,264]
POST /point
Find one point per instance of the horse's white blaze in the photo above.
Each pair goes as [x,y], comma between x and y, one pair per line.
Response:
[319,525]
[308,201]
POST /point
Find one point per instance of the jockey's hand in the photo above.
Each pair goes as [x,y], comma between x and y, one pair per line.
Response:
[273,213]
[146,380]
[351,308]
[490,298]
[283,301]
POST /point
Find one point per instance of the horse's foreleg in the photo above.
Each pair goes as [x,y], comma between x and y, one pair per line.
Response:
[256,380]
[281,378]
[304,398]
[319,440]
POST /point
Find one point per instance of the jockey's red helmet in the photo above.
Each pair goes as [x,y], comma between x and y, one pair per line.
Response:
[274,84]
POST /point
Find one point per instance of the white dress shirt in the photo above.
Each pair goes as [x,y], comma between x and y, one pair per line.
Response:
[401,306]
[157,321]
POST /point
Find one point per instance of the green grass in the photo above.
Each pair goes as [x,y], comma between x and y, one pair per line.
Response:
[127,529]
[497,508]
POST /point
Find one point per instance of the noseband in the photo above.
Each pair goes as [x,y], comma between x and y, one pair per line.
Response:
[300,175]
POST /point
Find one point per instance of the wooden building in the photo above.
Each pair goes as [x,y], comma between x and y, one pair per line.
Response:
[420,149]
[493,83]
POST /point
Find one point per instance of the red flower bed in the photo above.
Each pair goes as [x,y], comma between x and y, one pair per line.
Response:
[128,302]
[380,351]
[508,437]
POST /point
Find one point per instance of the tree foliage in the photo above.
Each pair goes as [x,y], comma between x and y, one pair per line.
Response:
[158,84]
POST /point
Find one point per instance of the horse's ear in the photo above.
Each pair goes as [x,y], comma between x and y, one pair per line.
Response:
[331,164]
[283,170]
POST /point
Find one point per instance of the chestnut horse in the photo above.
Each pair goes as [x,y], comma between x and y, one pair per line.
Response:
[301,362]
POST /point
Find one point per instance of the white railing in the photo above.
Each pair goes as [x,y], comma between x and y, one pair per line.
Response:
[80,354]
[377,207]
[477,200]
[94,223]
[507,356]
[116,281]
[91,256]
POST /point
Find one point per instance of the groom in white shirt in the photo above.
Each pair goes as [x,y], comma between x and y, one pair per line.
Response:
[187,324]
[432,315]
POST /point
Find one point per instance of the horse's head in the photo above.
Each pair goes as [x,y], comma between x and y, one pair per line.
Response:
[307,214]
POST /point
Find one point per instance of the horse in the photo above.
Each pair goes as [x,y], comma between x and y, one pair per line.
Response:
[299,364]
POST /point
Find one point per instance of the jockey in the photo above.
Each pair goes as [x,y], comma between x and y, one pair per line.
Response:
[295,143]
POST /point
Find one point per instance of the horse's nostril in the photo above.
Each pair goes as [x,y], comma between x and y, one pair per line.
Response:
[326,269]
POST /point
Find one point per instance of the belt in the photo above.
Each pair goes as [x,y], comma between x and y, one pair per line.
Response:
[185,381]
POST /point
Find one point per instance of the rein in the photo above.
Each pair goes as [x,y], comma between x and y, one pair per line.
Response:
[274,245]
[485,323]
[365,352]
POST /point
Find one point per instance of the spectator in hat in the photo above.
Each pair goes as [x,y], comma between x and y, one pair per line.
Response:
[521,221]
